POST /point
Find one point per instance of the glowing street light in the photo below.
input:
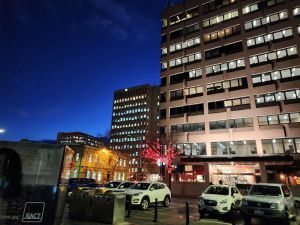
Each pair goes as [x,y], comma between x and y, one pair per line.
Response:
[2,131]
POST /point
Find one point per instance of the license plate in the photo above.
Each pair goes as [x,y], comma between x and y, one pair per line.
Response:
[259,212]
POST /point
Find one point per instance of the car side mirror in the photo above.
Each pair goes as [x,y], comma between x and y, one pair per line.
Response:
[151,189]
[286,195]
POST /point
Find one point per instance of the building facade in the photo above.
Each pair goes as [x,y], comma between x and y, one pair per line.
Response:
[78,138]
[134,123]
[230,89]
[103,165]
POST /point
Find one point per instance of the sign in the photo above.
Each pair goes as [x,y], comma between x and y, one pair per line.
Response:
[33,212]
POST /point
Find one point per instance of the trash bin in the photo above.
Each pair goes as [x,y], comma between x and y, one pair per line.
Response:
[79,205]
[108,208]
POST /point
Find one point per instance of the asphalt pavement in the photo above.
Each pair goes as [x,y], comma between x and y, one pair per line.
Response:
[175,215]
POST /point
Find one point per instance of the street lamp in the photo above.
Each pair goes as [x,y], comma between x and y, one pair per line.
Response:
[2,131]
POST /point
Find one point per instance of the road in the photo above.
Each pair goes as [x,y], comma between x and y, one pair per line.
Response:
[175,215]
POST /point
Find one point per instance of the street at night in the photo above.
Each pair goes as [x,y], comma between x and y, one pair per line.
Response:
[109,107]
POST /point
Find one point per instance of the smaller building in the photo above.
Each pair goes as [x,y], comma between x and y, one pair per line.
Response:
[78,138]
[100,164]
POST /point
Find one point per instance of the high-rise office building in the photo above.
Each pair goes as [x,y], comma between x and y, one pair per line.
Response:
[230,89]
[78,138]
[134,123]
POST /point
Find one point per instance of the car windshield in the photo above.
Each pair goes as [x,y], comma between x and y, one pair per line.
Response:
[125,185]
[141,186]
[265,190]
[217,190]
[112,184]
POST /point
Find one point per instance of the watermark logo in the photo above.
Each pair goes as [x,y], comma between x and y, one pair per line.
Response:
[33,212]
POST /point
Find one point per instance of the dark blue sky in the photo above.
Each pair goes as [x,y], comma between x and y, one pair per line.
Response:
[61,60]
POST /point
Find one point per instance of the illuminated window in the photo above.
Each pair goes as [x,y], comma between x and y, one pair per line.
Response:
[77,157]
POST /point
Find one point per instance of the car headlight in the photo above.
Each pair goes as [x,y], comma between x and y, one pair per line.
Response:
[223,201]
[274,206]
[244,202]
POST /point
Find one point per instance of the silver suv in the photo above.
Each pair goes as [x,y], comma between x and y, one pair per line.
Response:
[266,200]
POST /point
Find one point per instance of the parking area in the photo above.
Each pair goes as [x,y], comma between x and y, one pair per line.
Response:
[176,215]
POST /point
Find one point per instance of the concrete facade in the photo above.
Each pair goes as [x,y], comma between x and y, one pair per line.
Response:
[230,85]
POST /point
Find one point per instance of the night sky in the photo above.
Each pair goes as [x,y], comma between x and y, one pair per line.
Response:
[61,61]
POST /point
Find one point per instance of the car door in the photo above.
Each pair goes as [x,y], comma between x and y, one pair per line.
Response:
[152,192]
[161,192]
[237,197]
[288,198]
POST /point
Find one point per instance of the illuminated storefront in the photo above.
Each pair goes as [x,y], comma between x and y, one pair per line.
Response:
[234,173]
[239,170]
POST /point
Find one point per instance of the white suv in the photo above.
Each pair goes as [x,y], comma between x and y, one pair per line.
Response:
[145,193]
[266,200]
[116,186]
[219,198]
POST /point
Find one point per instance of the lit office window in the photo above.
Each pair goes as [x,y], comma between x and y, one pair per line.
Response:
[296,11]
[187,59]
[250,8]
[245,147]
[275,55]
[163,66]
[265,20]
[218,19]
[281,146]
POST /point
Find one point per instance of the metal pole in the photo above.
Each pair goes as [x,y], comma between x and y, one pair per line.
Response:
[129,207]
[233,216]
[187,213]
[155,211]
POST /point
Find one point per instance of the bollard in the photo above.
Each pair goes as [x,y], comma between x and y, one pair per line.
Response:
[187,213]
[233,216]
[155,211]
[129,207]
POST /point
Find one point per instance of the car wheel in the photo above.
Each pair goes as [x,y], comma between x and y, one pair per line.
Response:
[202,213]
[247,220]
[286,220]
[166,201]
[144,204]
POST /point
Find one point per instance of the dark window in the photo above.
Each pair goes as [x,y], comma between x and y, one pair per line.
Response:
[213,53]
[162,130]
[233,48]
[208,7]
[178,78]
[163,81]
[190,109]
[176,95]
[163,97]
[164,38]
[175,34]
[162,114]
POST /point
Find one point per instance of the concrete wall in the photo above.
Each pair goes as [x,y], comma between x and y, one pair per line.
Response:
[187,189]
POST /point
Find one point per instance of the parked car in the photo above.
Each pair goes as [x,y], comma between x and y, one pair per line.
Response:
[80,183]
[116,186]
[144,193]
[266,200]
[220,199]
[297,201]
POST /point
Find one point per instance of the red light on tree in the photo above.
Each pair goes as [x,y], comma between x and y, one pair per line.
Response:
[155,152]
